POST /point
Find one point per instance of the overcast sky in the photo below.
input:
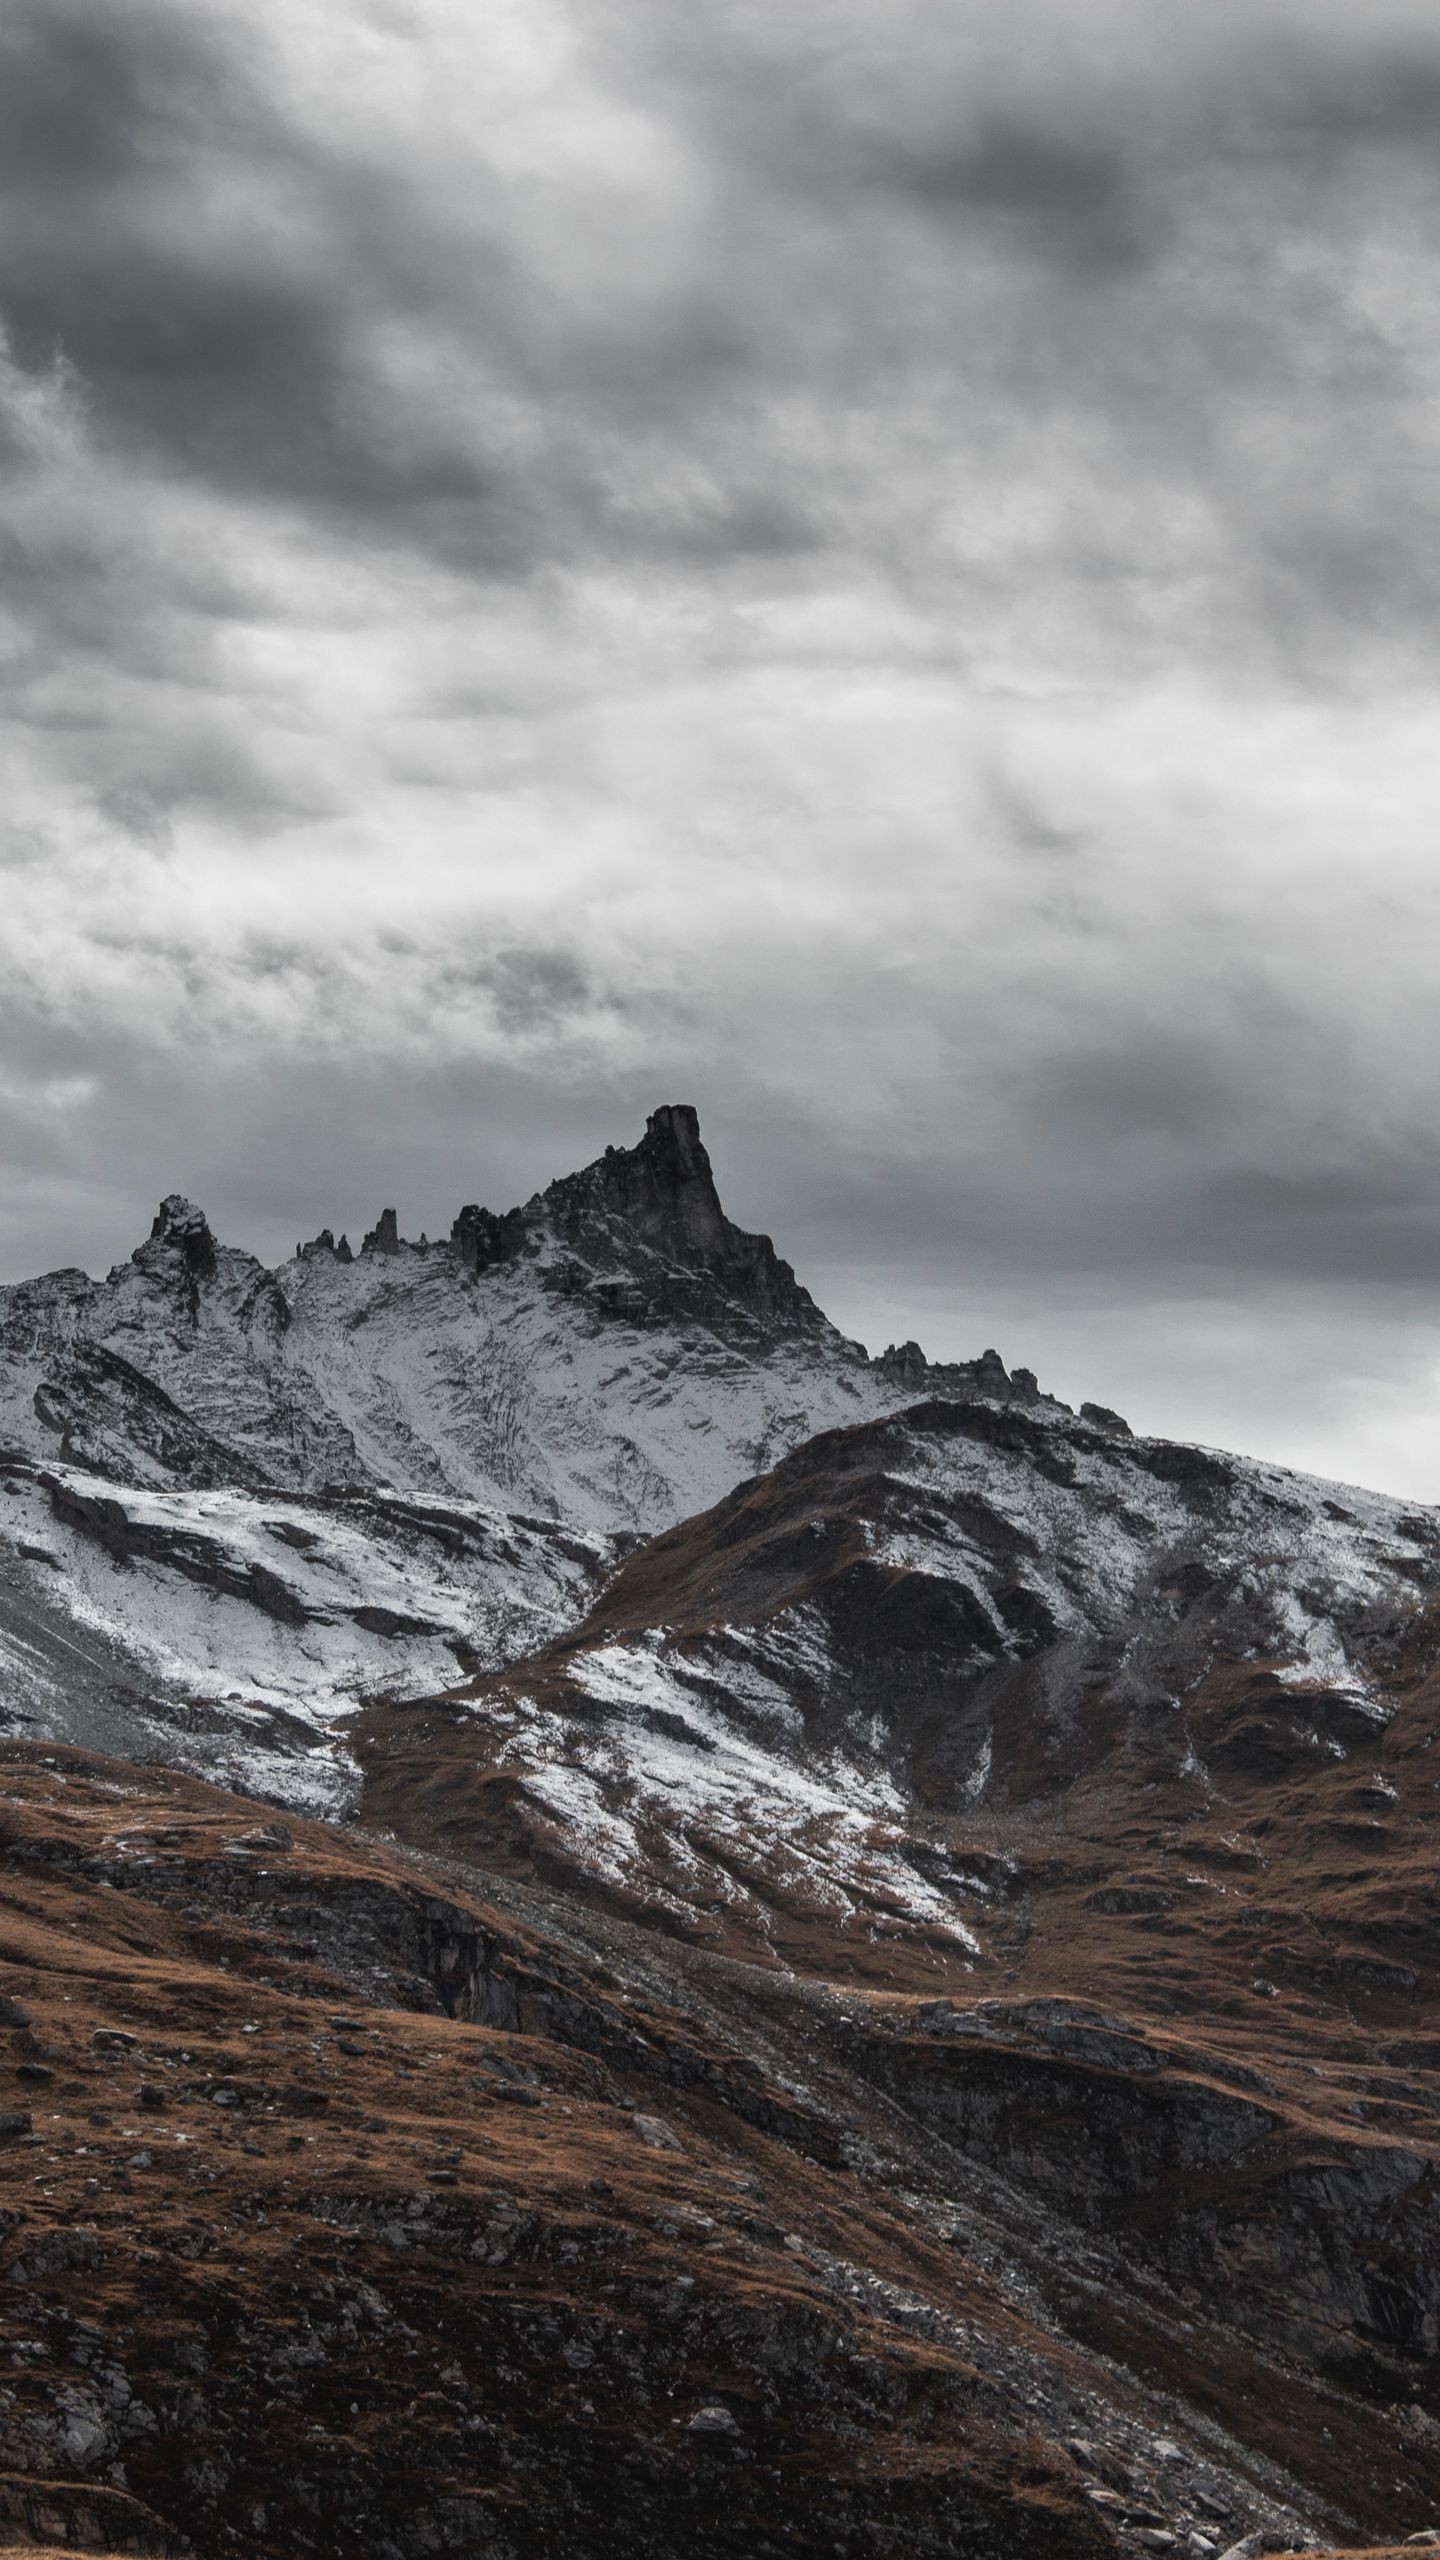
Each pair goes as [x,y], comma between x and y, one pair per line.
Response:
[870,564]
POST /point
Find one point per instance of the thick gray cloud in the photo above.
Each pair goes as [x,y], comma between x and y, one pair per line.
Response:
[867,568]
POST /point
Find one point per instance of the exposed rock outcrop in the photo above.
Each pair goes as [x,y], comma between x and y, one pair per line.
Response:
[481,1240]
[180,1228]
[905,1365]
[384,1236]
[649,1219]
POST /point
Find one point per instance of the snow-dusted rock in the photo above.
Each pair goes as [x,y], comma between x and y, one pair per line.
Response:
[617,1353]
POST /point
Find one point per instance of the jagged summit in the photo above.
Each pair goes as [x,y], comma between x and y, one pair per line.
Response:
[642,1228]
[179,1227]
[615,1351]
[664,1187]
[177,1219]
[640,1234]
[659,1197]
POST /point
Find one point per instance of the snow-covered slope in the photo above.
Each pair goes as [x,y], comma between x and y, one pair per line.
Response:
[234,1632]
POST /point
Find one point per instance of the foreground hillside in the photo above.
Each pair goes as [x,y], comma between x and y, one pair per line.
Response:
[348,2210]
[1095,1781]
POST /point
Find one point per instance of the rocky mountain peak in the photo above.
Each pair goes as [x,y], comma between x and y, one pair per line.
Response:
[642,1232]
[384,1236]
[652,1214]
[179,1227]
[664,1187]
[615,1349]
[176,1218]
[324,1243]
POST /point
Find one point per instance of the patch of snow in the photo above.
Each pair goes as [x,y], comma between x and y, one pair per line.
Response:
[466,1589]
[634,1797]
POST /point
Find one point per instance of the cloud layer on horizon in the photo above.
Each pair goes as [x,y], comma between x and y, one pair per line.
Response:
[866,568]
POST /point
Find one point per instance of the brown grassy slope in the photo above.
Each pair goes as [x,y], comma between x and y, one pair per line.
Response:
[354,2218]
[399,2219]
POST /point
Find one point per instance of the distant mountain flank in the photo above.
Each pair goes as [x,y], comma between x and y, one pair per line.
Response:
[827,1711]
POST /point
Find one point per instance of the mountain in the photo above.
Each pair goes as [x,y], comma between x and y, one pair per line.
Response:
[872,1982]
[275,1493]
[1094,1777]
[616,1351]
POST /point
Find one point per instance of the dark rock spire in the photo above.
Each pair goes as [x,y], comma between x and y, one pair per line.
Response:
[664,1188]
[650,1216]
[480,1239]
[384,1236]
[179,1228]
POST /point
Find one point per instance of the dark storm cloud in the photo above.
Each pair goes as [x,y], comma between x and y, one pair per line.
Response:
[1082,201]
[1162,263]
[857,566]
[1383,98]
[93,97]
[225,280]
[238,335]
[200,328]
